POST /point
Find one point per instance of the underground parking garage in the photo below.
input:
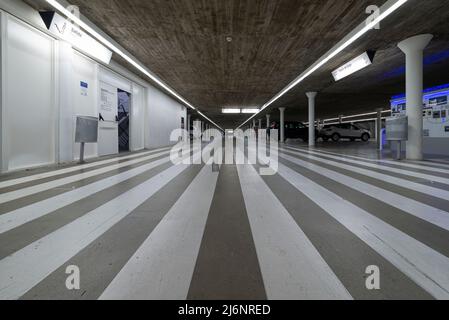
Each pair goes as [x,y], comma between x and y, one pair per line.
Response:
[225,150]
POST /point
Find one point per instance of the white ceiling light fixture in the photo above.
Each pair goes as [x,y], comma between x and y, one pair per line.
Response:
[387,9]
[353,66]
[56,5]
[250,111]
[230,111]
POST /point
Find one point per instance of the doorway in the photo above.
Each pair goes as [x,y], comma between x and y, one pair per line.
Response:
[124,105]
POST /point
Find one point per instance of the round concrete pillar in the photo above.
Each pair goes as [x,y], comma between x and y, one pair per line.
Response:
[379,129]
[282,124]
[311,96]
[413,48]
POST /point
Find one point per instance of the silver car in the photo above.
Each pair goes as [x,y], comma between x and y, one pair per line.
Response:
[345,131]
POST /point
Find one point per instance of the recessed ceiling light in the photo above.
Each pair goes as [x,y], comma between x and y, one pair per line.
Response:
[250,111]
[230,110]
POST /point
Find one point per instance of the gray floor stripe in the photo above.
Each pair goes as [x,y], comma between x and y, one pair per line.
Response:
[101,261]
[422,181]
[25,201]
[42,170]
[227,267]
[424,198]
[425,232]
[346,254]
[403,165]
[163,265]
[72,173]
[20,237]
[29,266]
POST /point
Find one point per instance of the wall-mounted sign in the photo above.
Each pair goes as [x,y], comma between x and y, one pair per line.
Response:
[67,31]
[84,88]
[357,64]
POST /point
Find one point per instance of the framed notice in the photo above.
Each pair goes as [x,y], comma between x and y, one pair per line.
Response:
[108,102]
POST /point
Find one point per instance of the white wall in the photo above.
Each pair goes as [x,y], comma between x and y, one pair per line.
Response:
[85,100]
[28,96]
[41,97]
[137,121]
[163,116]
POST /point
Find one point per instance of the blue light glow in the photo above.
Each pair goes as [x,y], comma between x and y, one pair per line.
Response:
[430,91]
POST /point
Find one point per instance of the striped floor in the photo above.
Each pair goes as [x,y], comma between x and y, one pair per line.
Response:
[140,227]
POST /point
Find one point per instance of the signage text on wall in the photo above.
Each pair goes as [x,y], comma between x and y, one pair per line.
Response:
[67,31]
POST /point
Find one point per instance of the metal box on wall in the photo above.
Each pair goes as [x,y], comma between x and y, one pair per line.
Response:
[397,128]
[86,130]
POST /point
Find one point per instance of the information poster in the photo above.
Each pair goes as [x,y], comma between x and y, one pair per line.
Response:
[108,102]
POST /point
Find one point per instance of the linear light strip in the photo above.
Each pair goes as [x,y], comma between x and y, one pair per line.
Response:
[55,4]
[331,55]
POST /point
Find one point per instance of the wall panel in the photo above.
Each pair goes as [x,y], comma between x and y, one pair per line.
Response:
[29,130]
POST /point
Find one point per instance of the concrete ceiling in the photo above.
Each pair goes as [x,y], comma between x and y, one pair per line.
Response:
[185,43]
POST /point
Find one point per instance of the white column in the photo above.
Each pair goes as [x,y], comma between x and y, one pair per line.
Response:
[311,96]
[282,124]
[189,119]
[66,119]
[254,123]
[413,48]
[268,121]
[260,124]
[379,129]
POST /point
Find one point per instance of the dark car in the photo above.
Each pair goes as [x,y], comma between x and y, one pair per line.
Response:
[295,130]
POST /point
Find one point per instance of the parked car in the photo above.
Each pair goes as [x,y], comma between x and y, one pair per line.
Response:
[345,131]
[295,130]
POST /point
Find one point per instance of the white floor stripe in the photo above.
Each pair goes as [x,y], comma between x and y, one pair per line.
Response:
[24,215]
[431,191]
[425,266]
[433,162]
[17,194]
[291,267]
[162,268]
[427,177]
[9,183]
[16,218]
[420,165]
[433,215]
[24,269]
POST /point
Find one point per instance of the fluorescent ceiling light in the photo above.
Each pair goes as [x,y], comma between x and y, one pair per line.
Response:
[230,111]
[55,4]
[253,111]
[356,64]
[388,8]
